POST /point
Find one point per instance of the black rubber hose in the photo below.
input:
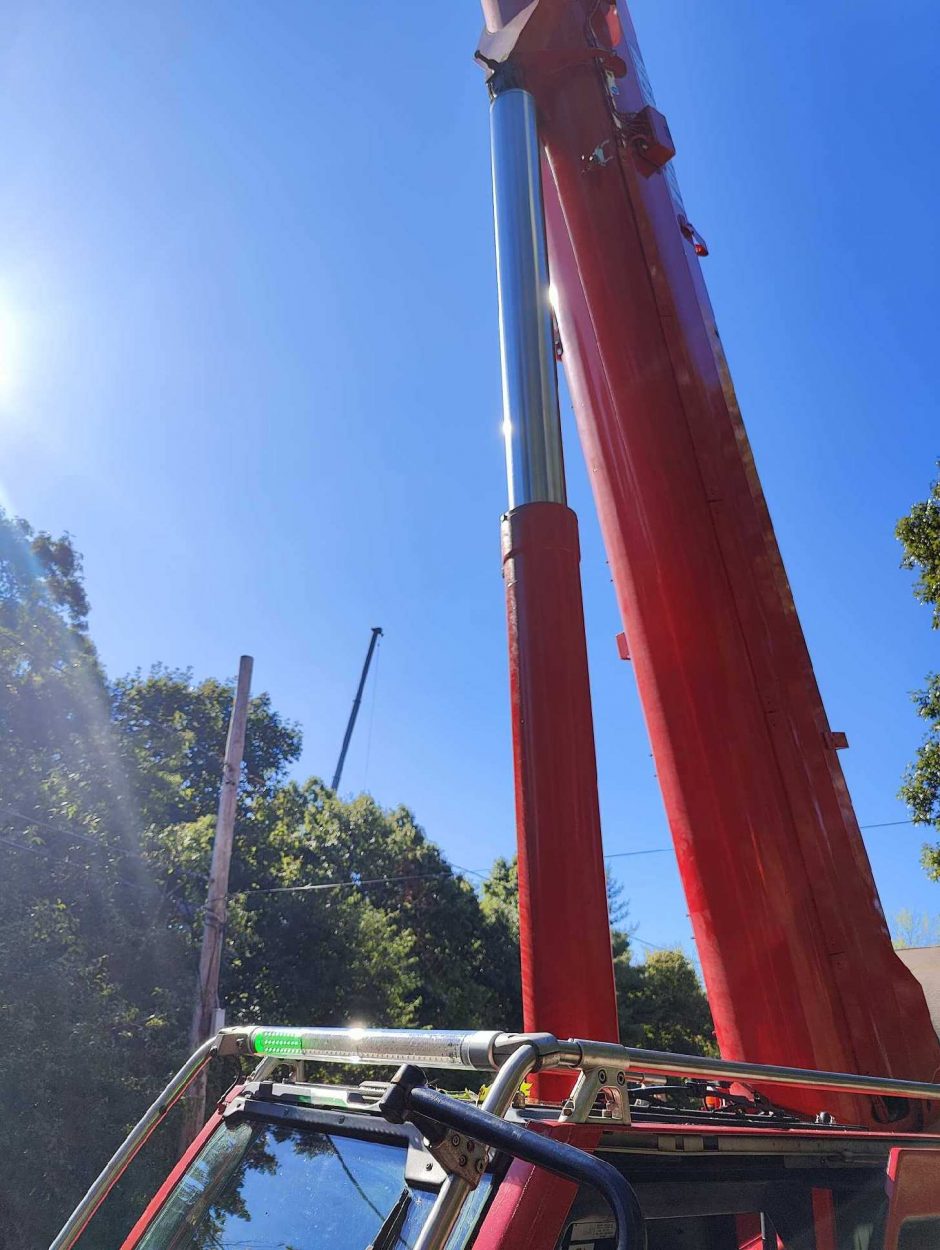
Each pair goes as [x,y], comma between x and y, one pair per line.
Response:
[554,1156]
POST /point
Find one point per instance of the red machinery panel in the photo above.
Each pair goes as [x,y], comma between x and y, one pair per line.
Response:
[796,955]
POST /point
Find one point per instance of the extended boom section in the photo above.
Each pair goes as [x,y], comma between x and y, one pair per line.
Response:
[564,935]
[796,955]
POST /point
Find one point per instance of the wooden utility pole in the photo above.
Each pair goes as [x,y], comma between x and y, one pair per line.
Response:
[213,932]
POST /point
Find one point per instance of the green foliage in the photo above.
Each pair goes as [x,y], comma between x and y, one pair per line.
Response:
[172,736]
[85,951]
[499,895]
[340,912]
[660,1002]
[661,1005]
[919,533]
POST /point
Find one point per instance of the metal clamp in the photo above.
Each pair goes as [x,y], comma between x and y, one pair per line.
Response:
[594,1083]
[415,1100]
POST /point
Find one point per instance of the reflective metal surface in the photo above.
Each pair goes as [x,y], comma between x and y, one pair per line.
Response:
[519,1053]
[438,1048]
[604,1054]
[531,424]
[454,1191]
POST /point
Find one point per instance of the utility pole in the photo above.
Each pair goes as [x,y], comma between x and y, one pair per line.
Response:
[213,932]
[376,635]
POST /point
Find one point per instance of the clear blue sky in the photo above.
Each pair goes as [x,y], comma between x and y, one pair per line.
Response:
[247,301]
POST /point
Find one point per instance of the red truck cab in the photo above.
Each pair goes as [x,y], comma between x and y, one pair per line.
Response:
[285,1163]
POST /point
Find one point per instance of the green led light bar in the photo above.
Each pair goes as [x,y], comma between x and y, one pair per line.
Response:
[435,1048]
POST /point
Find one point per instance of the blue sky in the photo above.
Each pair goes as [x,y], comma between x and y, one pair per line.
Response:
[250,361]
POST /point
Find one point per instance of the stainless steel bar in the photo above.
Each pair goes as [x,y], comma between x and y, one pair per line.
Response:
[433,1048]
[482,1050]
[75,1224]
[453,1193]
[607,1054]
[583,1096]
[531,421]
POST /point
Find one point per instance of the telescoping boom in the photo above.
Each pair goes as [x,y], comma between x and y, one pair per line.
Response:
[796,955]
[812,1131]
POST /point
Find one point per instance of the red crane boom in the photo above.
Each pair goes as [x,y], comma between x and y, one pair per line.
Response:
[809,999]
[795,951]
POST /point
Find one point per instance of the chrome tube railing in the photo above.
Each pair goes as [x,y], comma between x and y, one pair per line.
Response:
[511,1055]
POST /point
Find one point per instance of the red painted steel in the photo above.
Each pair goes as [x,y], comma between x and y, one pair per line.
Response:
[567,970]
[529,1209]
[824,1220]
[795,951]
[913,1188]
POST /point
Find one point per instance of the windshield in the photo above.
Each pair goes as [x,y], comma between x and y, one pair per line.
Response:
[261,1186]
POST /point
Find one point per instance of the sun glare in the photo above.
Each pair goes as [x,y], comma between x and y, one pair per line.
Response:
[9,353]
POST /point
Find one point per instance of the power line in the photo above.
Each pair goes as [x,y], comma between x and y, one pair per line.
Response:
[885,824]
[351,883]
[332,885]
[65,833]
[18,846]
[472,872]
[653,850]
[45,853]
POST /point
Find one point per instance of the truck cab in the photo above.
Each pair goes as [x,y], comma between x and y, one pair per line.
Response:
[290,1163]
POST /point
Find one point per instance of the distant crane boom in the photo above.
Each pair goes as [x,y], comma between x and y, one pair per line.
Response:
[351,725]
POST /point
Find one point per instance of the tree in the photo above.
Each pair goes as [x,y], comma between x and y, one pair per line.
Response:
[660,1002]
[340,912]
[919,533]
[85,953]
[911,929]
[107,797]
[172,734]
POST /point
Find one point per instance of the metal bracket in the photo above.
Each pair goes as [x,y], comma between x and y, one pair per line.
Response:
[594,1083]
[648,132]
[461,1156]
[699,245]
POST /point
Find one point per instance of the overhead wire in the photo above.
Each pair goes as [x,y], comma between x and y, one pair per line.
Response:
[65,833]
[46,852]
[313,887]
[351,882]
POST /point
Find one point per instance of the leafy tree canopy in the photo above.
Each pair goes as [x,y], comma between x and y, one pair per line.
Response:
[340,912]
[919,533]
[660,1001]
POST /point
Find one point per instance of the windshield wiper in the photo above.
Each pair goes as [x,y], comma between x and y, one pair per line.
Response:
[388,1235]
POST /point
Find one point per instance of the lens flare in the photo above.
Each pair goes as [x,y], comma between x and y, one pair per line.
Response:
[10,350]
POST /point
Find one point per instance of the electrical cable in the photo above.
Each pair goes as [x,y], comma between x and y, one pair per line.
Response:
[339,885]
[46,853]
[65,833]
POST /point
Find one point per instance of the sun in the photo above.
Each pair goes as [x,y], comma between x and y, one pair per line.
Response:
[9,353]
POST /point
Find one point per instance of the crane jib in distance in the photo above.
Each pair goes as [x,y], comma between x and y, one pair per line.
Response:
[790,1139]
